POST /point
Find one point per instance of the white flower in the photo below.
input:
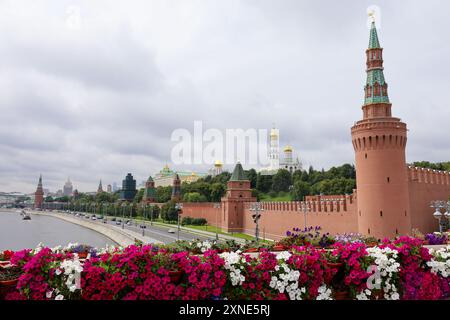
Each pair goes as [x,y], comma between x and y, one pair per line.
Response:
[59,297]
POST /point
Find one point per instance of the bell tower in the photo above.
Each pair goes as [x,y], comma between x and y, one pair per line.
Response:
[379,141]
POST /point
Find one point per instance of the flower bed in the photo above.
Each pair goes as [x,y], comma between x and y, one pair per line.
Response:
[399,269]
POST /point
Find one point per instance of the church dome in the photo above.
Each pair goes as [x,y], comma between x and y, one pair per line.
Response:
[274,133]
[288,148]
[218,163]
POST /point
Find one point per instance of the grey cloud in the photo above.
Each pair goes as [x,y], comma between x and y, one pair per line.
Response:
[103,101]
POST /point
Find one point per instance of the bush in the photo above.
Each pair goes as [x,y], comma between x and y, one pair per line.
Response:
[199,221]
[186,221]
[194,221]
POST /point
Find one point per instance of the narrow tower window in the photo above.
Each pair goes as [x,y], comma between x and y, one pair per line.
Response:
[381,213]
[388,179]
[368,231]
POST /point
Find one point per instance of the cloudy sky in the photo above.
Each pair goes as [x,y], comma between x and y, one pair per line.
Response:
[94,89]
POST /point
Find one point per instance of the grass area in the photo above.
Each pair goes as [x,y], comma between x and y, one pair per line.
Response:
[208,228]
[282,196]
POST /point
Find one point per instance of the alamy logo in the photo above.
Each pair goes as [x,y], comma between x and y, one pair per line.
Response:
[374,280]
[248,146]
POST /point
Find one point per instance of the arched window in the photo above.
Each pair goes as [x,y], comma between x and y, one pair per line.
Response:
[376,89]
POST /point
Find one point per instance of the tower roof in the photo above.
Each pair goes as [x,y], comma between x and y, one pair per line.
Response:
[150,179]
[373,40]
[376,86]
[238,173]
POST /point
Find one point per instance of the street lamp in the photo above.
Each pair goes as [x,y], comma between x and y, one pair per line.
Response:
[305,208]
[443,218]
[179,208]
[256,207]
[123,215]
[217,206]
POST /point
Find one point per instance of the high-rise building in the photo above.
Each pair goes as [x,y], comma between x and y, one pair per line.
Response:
[68,188]
[39,195]
[128,191]
[108,188]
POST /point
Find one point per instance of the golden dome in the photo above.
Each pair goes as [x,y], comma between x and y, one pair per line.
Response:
[274,132]
[288,148]
[218,163]
[193,174]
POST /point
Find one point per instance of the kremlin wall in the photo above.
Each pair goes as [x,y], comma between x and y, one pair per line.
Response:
[391,198]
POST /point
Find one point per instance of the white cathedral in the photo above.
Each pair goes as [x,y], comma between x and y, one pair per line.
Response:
[287,162]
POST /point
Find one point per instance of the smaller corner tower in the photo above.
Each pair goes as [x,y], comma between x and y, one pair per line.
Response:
[238,192]
[150,191]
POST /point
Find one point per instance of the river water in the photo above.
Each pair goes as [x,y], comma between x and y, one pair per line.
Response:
[16,233]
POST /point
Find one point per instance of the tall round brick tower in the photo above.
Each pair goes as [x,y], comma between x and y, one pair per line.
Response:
[379,141]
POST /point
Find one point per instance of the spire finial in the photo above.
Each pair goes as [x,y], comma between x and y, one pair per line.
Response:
[371,14]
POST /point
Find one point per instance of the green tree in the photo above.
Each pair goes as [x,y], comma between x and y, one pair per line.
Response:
[139,195]
[169,212]
[163,194]
[263,182]
[194,197]
[281,181]
[252,176]
[300,190]
[217,191]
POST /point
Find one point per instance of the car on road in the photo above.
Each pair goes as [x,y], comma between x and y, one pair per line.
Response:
[128,222]
[118,222]
[93,218]
[77,215]
[171,230]
[113,219]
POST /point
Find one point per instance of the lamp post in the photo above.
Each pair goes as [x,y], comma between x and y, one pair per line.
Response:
[217,206]
[123,215]
[256,207]
[151,215]
[179,208]
[443,218]
[305,208]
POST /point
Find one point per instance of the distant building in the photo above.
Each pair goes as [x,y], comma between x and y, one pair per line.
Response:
[109,188]
[68,188]
[217,169]
[128,191]
[164,178]
[176,188]
[39,195]
[288,163]
[275,164]
[100,187]
[114,187]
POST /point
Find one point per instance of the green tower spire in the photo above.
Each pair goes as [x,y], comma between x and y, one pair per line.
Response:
[376,86]
[238,173]
[373,41]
